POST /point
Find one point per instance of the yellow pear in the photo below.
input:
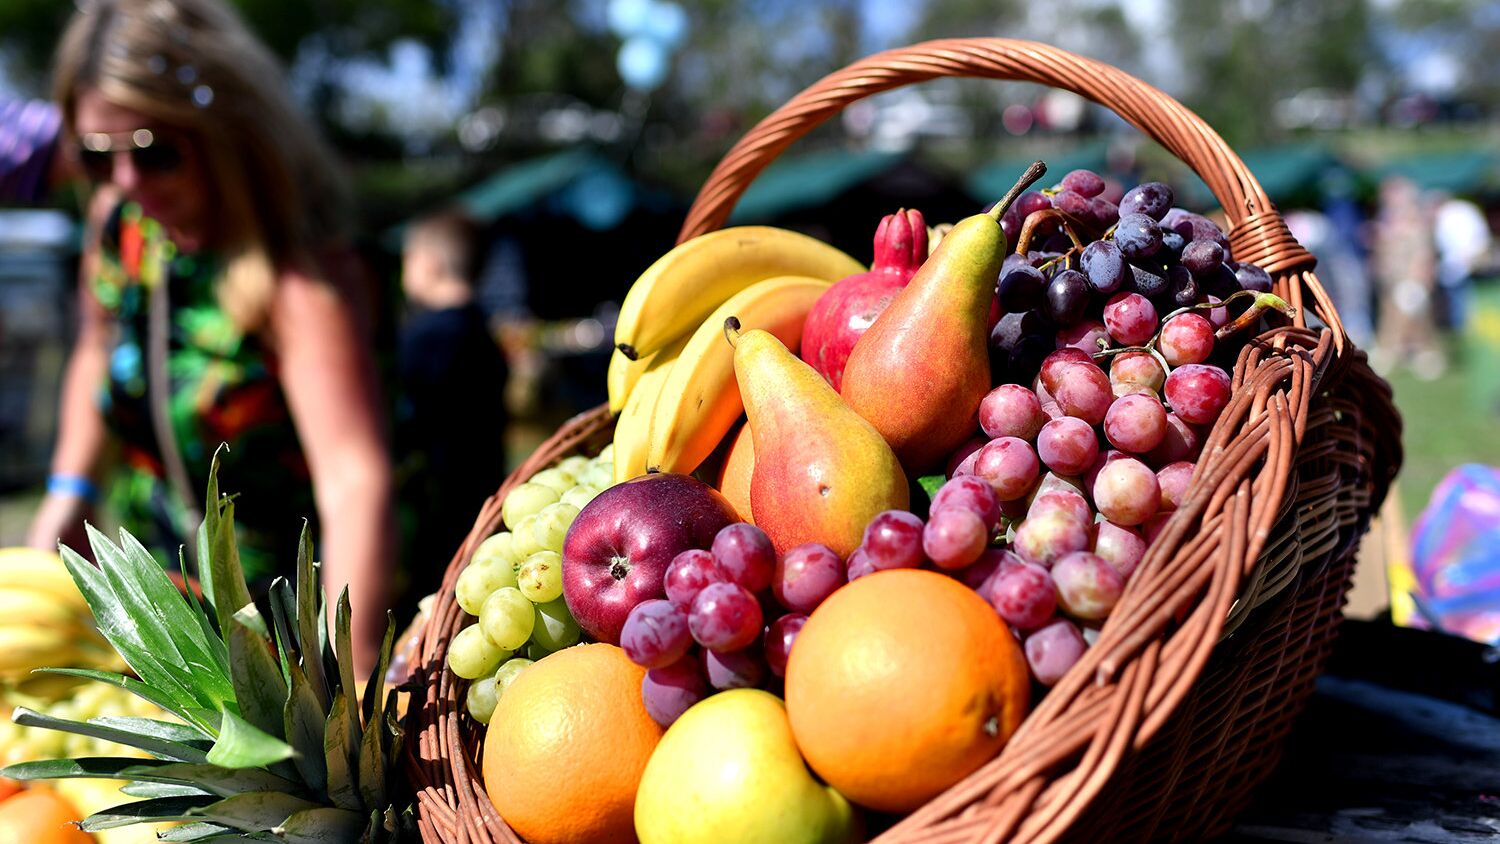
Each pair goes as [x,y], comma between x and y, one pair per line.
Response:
[728,772]
[821,471]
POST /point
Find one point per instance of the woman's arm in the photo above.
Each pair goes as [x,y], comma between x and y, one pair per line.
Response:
[328,374]
[81,434]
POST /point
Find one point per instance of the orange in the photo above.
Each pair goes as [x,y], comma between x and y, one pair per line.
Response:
[734,476]
[567,745]
[39,816]
[901,684]
[8,787]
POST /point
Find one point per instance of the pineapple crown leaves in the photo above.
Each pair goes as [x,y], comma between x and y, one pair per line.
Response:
[274,742]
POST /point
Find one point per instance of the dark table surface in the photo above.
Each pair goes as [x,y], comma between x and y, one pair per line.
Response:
[1400,743]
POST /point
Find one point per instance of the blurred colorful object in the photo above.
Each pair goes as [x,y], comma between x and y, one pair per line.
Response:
[1455,560]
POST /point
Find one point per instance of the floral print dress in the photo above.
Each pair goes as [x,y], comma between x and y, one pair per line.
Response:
[222,388]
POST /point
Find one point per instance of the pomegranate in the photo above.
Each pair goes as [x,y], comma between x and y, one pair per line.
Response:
[847,308]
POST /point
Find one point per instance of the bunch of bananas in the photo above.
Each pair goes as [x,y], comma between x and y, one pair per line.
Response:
[671,379]
[44,620]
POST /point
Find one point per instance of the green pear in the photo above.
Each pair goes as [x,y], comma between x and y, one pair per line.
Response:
[728,772]
[821,471]
[919,372]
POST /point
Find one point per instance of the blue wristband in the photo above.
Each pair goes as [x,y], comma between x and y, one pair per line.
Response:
[74,485]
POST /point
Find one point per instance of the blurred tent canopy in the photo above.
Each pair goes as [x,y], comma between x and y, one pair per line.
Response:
[796,182]
[1293,175]
[1459,171]
[990,182]
[579,184]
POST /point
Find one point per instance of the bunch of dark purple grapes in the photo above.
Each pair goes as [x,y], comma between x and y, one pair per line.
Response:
[1077,253]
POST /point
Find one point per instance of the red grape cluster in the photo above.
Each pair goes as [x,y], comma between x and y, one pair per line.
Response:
[1093,265]
[729,618]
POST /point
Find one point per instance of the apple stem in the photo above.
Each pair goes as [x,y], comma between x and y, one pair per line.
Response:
[619,567]
[1034,172]
[732,330]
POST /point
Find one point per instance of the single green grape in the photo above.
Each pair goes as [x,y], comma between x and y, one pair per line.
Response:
[473,654]
[507,618]
[550,527]
[579,495]
[599,475]
[481,699]
[524,500]
[573,466]
[555,628]
[480,580]
[540,577]
[555,478]
[501,546]
[606,455]
[507,674]
[526,542]
[535,651]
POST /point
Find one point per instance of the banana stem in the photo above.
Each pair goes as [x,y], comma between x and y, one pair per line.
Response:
[1034,172]
[732,330]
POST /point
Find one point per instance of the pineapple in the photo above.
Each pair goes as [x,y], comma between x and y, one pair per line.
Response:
[274,742]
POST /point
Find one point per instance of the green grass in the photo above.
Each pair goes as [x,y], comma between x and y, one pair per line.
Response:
[1449,421]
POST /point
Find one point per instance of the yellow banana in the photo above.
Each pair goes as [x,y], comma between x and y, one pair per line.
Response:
[623,375]
[39,570]
[24,648]
[700,401]
[674,295]
[23,606]
[633,428]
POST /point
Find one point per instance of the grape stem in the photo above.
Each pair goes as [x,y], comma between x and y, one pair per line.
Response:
[1070,225]
[1028,178]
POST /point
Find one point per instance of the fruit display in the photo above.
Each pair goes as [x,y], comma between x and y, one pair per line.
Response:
[263,735]
[852,523]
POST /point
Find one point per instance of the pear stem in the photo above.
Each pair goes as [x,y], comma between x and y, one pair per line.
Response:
[1034,172]
[732,330]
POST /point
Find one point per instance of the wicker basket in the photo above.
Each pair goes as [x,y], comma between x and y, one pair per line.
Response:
[1180,708]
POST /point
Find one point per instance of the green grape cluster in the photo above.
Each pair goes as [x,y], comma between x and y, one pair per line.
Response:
[514,583]
[87,700]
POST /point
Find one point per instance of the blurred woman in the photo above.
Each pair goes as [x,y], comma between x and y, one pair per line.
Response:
[221,303]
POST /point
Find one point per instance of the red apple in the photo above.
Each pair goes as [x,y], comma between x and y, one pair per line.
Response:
[617,551]
[847,308]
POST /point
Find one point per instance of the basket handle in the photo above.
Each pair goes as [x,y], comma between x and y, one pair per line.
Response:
[1257,232]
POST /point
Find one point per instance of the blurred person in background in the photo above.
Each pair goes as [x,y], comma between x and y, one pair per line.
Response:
[451,417]
[1463,238]
[221,302]
[1404,262]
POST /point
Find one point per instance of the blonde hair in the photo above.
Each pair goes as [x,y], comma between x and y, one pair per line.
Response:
[195,66]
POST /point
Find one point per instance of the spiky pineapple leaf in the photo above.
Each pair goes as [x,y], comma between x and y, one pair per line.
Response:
[195,832]
[144,592]
[203,719]
[224,782]
[303,728]
[255,811]
[85,767]
[375,685]
[323,826]
[146,579]
[258,686]
[208,531]
[161,809]
[152,790]
[241,745]
[372,753]
[344,645]
[165,730]
[343,789]
[117,625]
[161,748]
[283,610]
[310,630]
[228,578]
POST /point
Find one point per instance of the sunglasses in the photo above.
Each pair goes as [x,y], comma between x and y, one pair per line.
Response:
[150,154]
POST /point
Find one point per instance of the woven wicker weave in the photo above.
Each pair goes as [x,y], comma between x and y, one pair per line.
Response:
[1180,708]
